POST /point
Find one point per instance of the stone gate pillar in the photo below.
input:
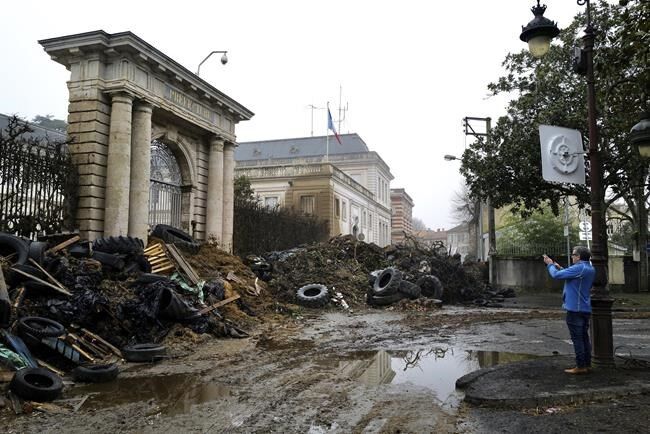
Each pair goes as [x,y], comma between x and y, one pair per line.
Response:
[140,171]
[228,194]
[107,73]
[118,170]
[215,205]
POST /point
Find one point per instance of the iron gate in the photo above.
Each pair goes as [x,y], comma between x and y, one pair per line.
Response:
[38,183]
[165,195]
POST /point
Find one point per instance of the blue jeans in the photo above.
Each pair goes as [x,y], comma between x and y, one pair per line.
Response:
[578,323]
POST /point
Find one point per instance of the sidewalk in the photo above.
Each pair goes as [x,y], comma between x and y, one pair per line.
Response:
[623,302]
[543,382]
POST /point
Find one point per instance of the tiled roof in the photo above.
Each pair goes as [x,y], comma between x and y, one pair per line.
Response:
[299,147]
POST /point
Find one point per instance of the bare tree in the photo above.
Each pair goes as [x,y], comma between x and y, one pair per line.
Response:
[464,208]
[418,224]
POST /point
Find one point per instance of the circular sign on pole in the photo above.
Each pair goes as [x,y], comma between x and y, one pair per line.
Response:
[584,226]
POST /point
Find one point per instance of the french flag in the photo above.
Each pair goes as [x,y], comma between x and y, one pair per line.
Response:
[330,125]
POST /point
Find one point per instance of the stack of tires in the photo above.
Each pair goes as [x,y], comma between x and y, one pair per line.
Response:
[121,254]
[389,286]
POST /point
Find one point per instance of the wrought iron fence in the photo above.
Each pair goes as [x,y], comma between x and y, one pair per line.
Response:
[38,183]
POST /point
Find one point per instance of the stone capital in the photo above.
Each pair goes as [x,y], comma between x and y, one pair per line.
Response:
[122,97]
[143,106]
[216,144]
[229,146]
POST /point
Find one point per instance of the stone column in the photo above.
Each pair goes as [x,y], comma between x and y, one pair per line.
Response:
[215,203]
[140,171]
[228,194]
[118,171]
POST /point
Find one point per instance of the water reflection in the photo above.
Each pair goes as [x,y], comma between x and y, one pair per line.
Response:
[167,394]
[436,369]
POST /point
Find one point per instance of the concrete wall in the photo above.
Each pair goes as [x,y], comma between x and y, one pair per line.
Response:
[529,273]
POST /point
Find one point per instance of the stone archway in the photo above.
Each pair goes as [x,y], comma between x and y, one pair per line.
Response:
[120,87]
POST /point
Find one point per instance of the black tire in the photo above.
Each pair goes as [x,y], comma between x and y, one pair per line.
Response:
[36,384]
[385,300]
[142,353]
[39,288]
[411,290]
[387,282]
[172,235]
[79,251]
[313,295]
[95,373]
[36,251]
[372,276]
[109,259]
[121,244]
[10,244]
[138,264]
[40,327]
[431,286]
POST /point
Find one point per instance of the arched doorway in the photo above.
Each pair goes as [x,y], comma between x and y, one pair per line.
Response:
[165,194]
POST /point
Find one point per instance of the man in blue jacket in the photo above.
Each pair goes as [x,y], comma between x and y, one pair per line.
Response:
[576,300]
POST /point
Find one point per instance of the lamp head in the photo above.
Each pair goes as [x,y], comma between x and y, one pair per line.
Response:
[450,157]
[640,135]
[539,32]
[224,58]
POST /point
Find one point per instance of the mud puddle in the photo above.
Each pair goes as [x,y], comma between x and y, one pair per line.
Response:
[168,395]
[436,369]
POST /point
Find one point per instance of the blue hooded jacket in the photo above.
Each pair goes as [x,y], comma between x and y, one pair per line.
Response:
[579,278]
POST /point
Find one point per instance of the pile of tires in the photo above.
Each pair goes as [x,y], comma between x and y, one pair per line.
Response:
[389,286]
[385,289]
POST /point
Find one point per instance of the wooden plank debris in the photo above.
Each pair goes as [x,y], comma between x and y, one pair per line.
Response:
[49,408]
[50,367]
[98,340]
[18,298]
[49,276]
[157,256]
[183,264]
[219,304]
[64,244]
[36,279]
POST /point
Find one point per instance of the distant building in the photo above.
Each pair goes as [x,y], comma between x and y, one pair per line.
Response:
[402,214]
[429,237]
[346,184]
[38,132]
[459,240]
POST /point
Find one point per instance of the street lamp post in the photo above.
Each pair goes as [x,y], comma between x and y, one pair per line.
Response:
[540,31]
[224,60]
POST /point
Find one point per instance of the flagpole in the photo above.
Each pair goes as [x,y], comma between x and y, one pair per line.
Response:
[327,140]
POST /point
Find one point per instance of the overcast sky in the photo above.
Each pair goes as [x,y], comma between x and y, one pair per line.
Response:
[409,70]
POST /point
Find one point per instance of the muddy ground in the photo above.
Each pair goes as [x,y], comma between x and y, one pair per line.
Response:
[313,371]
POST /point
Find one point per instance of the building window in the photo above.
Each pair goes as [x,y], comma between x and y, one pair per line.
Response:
[307,204]
[337,208]
[344,211]
[364,219]
[369,221]
[271,201]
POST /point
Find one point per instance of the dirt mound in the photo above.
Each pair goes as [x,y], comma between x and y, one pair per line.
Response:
[344,264]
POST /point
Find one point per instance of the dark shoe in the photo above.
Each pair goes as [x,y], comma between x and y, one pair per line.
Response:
[577,371]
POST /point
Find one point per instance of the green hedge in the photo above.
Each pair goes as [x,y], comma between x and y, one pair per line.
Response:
[259,229]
